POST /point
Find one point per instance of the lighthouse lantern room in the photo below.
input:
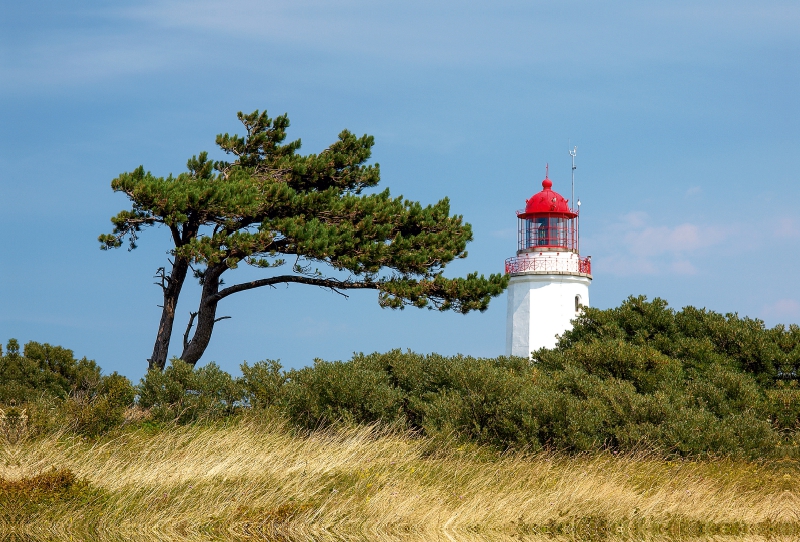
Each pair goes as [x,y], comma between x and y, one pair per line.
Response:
[549,281]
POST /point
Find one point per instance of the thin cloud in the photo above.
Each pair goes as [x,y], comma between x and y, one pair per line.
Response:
[511,33]
[635,246]
[683,267]
[657,240]
[787,228]
[625,265]
[147,36]
[70,60]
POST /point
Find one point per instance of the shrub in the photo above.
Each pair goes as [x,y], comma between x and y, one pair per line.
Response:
[600,394]
[696,336]
[102,405]
[263,383]
[483,400]
[183,394]
[642,375]
[70,374]
[335,391]
[42,369]
[641,365]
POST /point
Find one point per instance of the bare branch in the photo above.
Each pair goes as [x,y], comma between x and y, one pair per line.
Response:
[163,279]
[344,295]
[221,318]
[192,316]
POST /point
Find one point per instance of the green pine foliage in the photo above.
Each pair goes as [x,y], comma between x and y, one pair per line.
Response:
[314,217]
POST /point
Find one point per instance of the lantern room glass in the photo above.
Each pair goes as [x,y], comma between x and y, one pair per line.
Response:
[547,232]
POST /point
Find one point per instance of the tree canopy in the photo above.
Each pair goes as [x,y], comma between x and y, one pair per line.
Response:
[271,208]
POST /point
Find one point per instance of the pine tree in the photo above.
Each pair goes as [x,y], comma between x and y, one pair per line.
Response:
[271,207]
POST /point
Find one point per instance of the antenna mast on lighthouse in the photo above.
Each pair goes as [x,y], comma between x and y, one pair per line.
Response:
[573,153]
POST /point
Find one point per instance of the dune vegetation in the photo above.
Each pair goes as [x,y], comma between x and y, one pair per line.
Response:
[259,478]
[643,423]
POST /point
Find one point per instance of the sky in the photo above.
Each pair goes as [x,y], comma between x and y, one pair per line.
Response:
[685,116]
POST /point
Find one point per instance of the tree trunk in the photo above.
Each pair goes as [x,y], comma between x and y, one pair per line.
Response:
[206,315]
[172,290]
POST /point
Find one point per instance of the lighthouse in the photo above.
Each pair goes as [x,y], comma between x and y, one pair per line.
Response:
[549,280]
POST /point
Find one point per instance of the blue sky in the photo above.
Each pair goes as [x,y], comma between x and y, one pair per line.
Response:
[685,115]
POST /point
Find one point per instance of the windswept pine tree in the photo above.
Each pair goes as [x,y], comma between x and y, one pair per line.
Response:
[275,209]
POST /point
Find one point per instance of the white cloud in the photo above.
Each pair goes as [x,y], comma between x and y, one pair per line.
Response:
[623,265]
[656,240]
[81,60]
[509,32]
[635,246]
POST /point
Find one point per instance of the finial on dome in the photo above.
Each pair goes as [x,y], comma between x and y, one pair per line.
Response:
[547,183]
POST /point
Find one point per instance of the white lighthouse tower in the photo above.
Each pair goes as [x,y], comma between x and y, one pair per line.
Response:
[549,279]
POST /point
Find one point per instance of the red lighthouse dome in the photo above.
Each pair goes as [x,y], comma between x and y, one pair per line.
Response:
[547,203]
[547,222]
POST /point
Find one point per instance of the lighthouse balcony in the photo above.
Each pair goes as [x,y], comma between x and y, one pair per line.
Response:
[545,264]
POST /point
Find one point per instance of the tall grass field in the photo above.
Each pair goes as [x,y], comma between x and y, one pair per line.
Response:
[259,479]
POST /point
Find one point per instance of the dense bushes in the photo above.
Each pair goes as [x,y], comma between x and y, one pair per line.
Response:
[182,393]
[59,389]
[42,369]
[351,391]
[640,376]
[101,405]
[510,402]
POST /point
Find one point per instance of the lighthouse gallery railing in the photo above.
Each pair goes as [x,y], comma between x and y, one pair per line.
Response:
[520,264]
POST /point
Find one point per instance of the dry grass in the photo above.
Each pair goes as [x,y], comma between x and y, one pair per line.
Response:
[257,479]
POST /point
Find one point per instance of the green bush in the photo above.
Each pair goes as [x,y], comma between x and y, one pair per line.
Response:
[641,365]
[183,394]
[695,336]
[784,405]
[588,396]
[102,405]
[334,391]
[263,383]
[42,370]
[483,400]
